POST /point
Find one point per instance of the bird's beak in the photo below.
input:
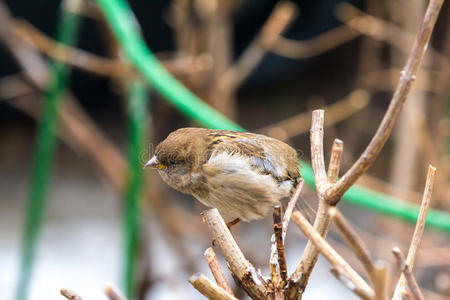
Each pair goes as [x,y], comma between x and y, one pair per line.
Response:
[154,164]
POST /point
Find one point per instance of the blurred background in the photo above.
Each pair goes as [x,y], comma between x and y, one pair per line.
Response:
[76,209]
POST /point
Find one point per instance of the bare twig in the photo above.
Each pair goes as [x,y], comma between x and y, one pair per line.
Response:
[278,277]
[404,85]
[407,272]
[386,79]
[281,16]
[317,158]
[209,289]
[299,279]
[336,112]
[242,270]
[418,231]
[354,241]
[346,272]
[216,270]
[72,56]
[381,30]
[335,160]
[320,44]
[291,205]
[278,231]
[380,280]
[93,63]
[13,86]
[70,295]
[113,294]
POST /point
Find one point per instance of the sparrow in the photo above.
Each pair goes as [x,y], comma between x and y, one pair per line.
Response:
[242,174]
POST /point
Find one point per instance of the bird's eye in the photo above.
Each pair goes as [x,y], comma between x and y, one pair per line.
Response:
[172,162]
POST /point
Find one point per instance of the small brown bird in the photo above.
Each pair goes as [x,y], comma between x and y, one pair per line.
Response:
[244,175]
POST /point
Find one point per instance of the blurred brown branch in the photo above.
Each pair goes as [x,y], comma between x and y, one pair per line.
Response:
[69,55]
[281,16]
[307,48]
[113,294]
[336,112]
[382,30]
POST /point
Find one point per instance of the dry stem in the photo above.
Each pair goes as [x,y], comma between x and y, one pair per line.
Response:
[70,295]
[404,85]
[242,270]
[72,56]
[381,30]
[113,294]
[209,289]
[279,242]
[291,205]
[354,241]
[407,272]
[320,44]
[335,160]
[418,231]
[281,16]
[216,270]
[346,272]
[336,112]
[299,279]
[380,280]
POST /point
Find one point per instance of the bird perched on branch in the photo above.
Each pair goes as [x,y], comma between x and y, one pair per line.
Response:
[244,175]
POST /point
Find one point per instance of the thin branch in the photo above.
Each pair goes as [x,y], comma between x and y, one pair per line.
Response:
[407,272]
[317,157]
[242,270]
[209,289]
[281,16]
[380,280]
[14,86]
[322,43]
[336,112]
[69,55]
[358,286]
[93,63]
[418,231]
[404,85]
[279,242]
[385,80]
[216,270]
[70,295]
[381,30]
[354,241]
[291,205]
[275,270]
[274,261]
[299,279]
[113,294]
[335,160]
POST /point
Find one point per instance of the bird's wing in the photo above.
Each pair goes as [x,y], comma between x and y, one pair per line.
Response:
[266,155]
